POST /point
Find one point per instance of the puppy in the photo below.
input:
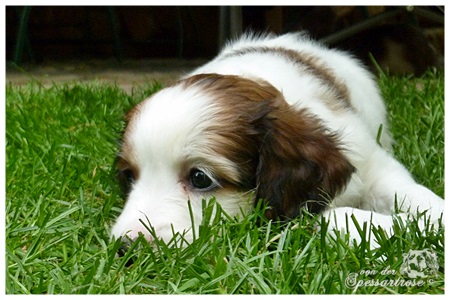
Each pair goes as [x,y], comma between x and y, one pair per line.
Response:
[280,119]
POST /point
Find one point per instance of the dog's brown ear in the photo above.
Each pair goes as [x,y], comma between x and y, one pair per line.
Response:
[300,163]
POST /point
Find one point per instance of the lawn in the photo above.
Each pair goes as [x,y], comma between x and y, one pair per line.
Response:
[62,198]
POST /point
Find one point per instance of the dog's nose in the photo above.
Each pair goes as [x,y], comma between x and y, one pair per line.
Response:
[124,248]
[122,251]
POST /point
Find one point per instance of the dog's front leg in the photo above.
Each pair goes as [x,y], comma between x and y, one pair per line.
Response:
[358,224]
[392,189]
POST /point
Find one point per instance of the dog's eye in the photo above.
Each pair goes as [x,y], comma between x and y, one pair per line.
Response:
[126,179]
[200,180]
[128,175]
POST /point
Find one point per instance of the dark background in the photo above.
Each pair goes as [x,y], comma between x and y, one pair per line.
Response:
[186,32]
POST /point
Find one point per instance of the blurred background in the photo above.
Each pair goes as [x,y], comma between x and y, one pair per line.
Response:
[403,40]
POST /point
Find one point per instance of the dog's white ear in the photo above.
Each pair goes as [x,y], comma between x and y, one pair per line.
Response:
[300,163]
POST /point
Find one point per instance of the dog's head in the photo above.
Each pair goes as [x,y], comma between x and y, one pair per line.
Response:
[226,137]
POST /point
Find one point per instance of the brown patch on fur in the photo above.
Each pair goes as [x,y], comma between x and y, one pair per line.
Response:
[126,166]
[337,99]
[127,171]
[240,105]
[286,154]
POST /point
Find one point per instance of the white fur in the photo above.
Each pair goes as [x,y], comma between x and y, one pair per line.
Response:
[162,141]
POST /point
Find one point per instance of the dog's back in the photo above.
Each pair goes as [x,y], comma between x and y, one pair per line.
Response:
[328,81]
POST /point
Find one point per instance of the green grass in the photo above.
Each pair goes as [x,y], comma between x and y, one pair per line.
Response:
[61,200]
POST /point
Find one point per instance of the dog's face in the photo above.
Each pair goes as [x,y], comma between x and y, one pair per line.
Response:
[225,137]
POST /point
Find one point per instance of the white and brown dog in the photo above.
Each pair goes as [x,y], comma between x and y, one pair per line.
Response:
[280,119]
